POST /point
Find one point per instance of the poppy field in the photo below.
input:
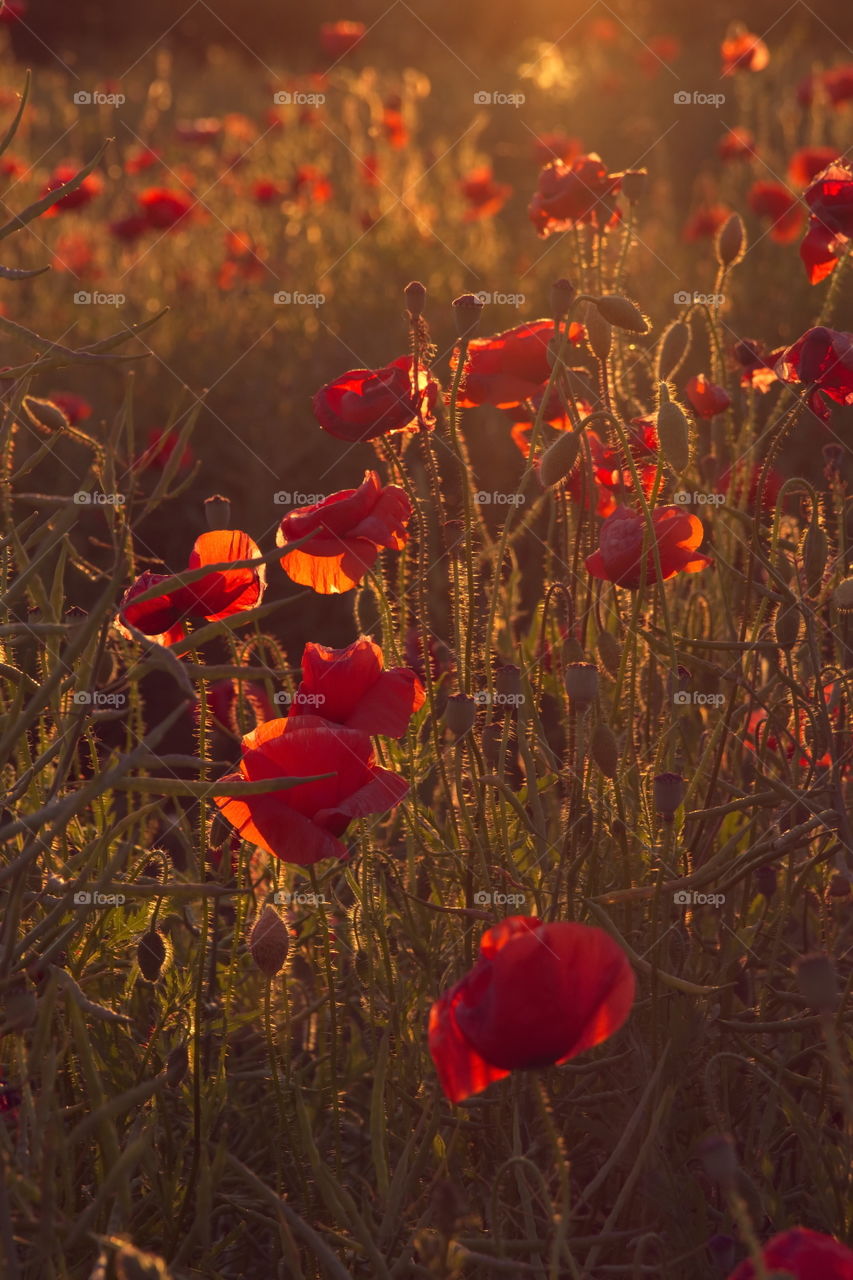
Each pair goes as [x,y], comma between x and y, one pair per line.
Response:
[426,619]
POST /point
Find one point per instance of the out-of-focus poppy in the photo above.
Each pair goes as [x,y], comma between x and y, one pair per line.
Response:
[556,146]
[91,186]
[310,185]
[705,222]
[13,11]
[131,228]
[658,52]
[394,127]
[836,85]
[164,207]
[805,164]
[757,364]
[365,403]
[265,191]
[707,398]
[337,38]
[351,687]
[822,357]
[511,367]
[743,51]
[620,551]
[161,446]
[76,408]
[138,159]
[483,195]
[346,533]
[303,824]
[539,995]
[569,195]
[803,1254]
[773,201]
[830,229]
[736,144]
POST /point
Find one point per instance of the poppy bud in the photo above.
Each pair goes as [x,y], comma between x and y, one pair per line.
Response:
[217,512]
[460,713]
[672,349]
[269,942]
[622,312]
[635,184]
[604,749]
[582,684]
[669,794]
[177,1065]
[559,458]
[609,651]
[786,625]
[44,413]
[818,982]
[673,428]
[563,293]
[731,241]
[467,309]
[599,335]
[719,1158]
[415,294]
[843,595]
[508,681]
[151,952]
[814,550]
[573,651]
[765,880]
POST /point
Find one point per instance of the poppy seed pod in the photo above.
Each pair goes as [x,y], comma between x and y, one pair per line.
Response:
[559,459]
[269,942]
[673,428]
[604,749]
[817,979]
[814,550]
[415,294]
[573,650]
[672,348]
[508,681]
[786,625]
[719,1158]
[582,684]
[842,596]
[669,794]
[467,309]
[563,294]
[599,334]
[635,183]
[730,245]
[609,651]
[151,952]
[460,714]
[622,312]
[217,512]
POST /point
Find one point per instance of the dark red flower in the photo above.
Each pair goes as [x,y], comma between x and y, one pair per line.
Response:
[803,1254]
[823,357]
[737,144]
[366,403]
[484,196]
[539,995]
[510,367]
[805,164]
[161,446]
[704,223]
[556,146]
[346,532]
[164,208]
[774,201]
[571,194]
[337,38]
[394,127]
[302,825]
[743,51]
[265,191]
[835,85]
[130,228]
[139,159]
[658,52]
[310,185]
[76,408]
[91,186]
[830,229]
[13,11]
[620,551]
[706,398]
[757,364]
[351,687]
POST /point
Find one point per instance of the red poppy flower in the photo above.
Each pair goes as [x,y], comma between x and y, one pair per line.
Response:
[205,129]
[757,364]
[76,408]
[12,166]
[13,11]
[539,995]
[130,229]
[337,38]
[351,687]
[346,532]
[805,1255]
[774,201]
[571,194]
[737,144]
[836,85]
[216,595]
[91,186]
[658,52]
[310,185]
[555,146]
[823,357]
[139,159]
[743,51]
[704,223]
[484,196]
[366,403]
[302,825]
[510,367]
[706,397]
[830,229]
[394,127]
[161,446]
[163,207]
[808,162]
[678,535]
[524,415]
[265,191]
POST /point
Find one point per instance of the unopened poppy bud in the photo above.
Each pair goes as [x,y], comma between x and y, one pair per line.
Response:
[599,334]
[582,684]
[766,880]
[609,651]
[217,512]
[731,241]
[558,460]
[151,952]
[177,1065]
[460,714]
[604,749]
[508,681]
[44,413]
[415,294]
[672,349]
[839,885]
[673,428]
[467,309]
[719,1158]
[563,294]
[269,942]
[818,982]
[669,794]
[842,596]
[622,312]
[814,550]
[786,625]
[635,183]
